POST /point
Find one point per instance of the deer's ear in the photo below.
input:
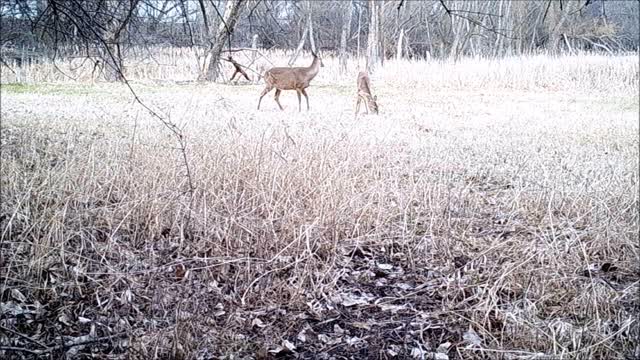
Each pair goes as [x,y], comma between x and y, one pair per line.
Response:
[375,97]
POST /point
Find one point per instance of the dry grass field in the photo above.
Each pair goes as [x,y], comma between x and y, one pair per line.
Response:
[489,212]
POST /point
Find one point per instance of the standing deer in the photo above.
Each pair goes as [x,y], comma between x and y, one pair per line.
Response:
[364,94]
[291,78]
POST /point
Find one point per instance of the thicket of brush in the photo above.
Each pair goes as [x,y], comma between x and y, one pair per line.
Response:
[458,224]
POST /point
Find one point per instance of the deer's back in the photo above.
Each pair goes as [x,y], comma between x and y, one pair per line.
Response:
[363,82]
[285,78]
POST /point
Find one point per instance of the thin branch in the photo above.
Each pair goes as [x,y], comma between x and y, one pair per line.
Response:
[445,7]
[476,13]
[65,345]
[168,124]
[226,27]
[546,11]
[19,349]
[23,336]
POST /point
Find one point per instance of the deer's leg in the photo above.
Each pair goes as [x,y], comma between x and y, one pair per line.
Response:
[364,99]
[358,104]
[264,92]
[299,100]
[304,92]
[277,98]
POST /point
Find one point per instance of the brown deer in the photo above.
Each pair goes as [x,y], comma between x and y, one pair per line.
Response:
[364,94]
[291,78]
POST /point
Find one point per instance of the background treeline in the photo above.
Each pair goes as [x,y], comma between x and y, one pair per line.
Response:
[375,29]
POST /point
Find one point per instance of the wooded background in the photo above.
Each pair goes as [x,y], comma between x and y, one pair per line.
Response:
[107,30]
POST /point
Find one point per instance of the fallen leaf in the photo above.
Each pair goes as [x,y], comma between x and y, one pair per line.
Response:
[471,337]
[277,350]
[393,350]
[418,353]
[361,325]
[324,338]
[257,322]
[18,296]
[126,297]
[64,319]
[288,345]
[393,308]
[444,347]
[404,286]
[351,300]
[180,271]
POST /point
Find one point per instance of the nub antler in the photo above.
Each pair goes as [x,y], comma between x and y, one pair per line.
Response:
[364,94]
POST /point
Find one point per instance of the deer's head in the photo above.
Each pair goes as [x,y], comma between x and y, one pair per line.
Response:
[373,103]
[316,57]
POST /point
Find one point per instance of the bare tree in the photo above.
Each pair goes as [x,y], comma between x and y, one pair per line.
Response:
[225,30]
[109,30]
[114,32]
[344,35]
[307,32]
[374,57]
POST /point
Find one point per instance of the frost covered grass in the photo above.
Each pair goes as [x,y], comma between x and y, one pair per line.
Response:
[470,219]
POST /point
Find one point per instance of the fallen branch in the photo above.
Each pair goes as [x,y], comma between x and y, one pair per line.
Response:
[82,340]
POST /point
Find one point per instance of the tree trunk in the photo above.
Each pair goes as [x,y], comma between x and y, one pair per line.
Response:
[254,46]
[381,46]
[429,40]
[231,14]
[556,33]
[373,40]
[312,40]
[358,33]
[399,49]
[303,39]
[346,31]
[497,46]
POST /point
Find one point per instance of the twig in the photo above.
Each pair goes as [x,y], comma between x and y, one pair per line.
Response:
[445,7]
[177,132]
[23,336]
[239,49]
[70,344]
[18,349]
[88,341]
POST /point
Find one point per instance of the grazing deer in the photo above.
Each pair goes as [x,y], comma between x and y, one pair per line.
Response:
[291,78]
[364,94]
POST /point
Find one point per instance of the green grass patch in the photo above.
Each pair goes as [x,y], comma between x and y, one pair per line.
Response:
[51,89]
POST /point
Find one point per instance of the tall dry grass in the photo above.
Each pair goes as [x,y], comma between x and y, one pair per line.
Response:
[582,72]
[478,217]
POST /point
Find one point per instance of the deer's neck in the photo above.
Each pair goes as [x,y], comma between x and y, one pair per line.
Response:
[312,70]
